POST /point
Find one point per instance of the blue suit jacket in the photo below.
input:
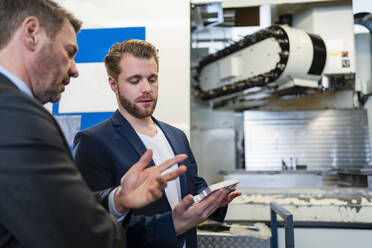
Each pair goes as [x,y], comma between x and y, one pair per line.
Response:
[106,151]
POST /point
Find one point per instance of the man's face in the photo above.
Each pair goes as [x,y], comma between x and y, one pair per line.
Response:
[137,86]
[54,65]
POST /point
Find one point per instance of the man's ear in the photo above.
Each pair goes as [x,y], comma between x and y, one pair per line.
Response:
[31,32]
[113,84]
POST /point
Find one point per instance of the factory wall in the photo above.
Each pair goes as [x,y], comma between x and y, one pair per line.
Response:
[205,132]
[167,26]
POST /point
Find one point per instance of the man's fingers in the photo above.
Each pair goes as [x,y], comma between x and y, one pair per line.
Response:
[156,188]
[213,201]
[175,173]
[234,195]
[157,183]
[183,205]
[216,203]
[143,161]
[162,183]
[170,162]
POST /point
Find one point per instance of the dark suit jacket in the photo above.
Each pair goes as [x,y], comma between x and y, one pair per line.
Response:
[105,152]
[44,201]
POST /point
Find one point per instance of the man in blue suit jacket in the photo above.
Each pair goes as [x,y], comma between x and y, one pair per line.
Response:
[106,151]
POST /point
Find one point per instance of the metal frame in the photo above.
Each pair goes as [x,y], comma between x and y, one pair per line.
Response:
[275,209]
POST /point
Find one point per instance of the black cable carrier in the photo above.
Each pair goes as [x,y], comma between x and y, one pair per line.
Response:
[261,80]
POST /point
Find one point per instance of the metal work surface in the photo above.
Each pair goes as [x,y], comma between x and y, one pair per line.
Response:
[231,241]
[277,179]
[237,237]
[355,177]
[346,206]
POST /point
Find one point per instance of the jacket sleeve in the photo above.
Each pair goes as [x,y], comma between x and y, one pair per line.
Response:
[93,161]
[156,231]
[45,202]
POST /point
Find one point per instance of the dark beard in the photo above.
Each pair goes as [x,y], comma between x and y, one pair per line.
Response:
[132,109]
[45,89]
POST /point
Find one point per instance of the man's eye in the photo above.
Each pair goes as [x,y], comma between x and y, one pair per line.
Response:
[133,81]
[153,80]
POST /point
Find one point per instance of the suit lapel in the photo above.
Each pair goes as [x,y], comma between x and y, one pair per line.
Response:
[177,149]
[126,130]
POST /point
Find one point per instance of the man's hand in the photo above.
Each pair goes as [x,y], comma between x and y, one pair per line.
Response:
[229,197]
[186,216]
[141,186]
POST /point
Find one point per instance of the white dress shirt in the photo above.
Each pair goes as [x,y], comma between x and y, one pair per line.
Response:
[161,151]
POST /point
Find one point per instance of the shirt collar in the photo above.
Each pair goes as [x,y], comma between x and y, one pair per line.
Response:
[15,80]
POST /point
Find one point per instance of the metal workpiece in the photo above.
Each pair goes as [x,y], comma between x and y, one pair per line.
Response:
[339,206]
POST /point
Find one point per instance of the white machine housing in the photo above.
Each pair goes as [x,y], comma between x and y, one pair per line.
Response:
[300,59]
[332,23]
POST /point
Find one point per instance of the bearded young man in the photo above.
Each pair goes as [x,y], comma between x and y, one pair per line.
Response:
[44,201]
[106,151]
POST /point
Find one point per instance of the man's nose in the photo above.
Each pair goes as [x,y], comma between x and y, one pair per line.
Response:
[74,72]
[146,87]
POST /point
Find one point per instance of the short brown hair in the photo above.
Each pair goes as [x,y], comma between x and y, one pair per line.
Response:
[138,48]
[50,15]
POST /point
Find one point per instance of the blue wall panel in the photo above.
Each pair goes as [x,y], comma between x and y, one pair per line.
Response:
[93,47]
[95,43]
